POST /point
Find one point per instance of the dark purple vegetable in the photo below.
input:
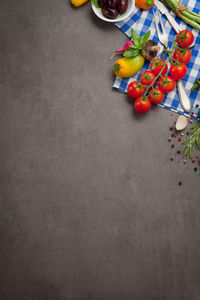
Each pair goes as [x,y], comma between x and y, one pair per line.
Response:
[110,13]
[122,6]
[112,3]
[102,2]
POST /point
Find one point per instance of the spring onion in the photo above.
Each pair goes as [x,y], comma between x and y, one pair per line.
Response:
[185,14]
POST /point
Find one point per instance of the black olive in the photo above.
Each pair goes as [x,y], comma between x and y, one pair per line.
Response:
[112,3]
[122,6]
[110,13]
[102,2]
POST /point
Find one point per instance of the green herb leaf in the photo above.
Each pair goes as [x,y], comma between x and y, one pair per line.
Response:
[138,44]
[131,52]
[135,36]
[133,47]
[196,85]
[95,3]
[139,41]
[144,38]
[192,140]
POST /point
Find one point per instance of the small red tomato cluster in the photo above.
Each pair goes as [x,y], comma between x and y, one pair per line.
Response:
[145,92]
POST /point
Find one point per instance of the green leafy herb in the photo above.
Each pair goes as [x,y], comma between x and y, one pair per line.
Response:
[192,140]
[95,3]
[133,47]
[144,38]
[196,85]
[138,43]
[131,52]
[134,34]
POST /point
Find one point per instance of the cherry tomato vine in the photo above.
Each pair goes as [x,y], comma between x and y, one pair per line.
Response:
[145,91]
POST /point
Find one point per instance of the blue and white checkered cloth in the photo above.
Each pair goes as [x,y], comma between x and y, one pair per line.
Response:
[142,21]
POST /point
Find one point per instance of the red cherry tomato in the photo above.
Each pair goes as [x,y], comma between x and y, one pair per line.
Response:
[147,78]
[166,84]
[156,96]
[157,65]
[185,38]
[183,55]
[178,71]
[135,89]
[142,105]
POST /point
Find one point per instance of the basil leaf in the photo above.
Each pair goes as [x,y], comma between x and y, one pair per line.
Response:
[95,3]
[133,47]
[144,38]
[135,36]
[131,52]
[137,44]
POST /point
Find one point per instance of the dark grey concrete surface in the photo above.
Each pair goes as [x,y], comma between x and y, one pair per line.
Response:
[90,203]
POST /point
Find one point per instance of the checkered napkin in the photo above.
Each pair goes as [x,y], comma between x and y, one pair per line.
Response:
[141,22]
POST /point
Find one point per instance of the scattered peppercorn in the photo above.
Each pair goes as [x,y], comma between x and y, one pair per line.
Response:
[172,135]
[197,105]
[171,159]
[195,169]
[172,145]
[171,128]
[180,183]
[187,133]
[178,152]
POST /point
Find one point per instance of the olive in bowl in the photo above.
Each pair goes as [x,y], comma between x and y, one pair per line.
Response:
[113,10]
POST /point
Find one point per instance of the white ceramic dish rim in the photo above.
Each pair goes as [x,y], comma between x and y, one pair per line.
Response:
[129,11]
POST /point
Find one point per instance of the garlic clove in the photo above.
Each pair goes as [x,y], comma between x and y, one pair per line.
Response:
[181,123]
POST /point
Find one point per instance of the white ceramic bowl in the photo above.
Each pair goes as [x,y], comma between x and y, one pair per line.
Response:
[129,11]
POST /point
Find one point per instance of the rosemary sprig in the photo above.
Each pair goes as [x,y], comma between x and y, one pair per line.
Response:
[192,140]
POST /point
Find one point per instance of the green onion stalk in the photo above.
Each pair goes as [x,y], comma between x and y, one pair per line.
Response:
[186,15]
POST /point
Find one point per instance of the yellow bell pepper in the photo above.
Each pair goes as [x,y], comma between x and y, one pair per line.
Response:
[127,67]
[78,2]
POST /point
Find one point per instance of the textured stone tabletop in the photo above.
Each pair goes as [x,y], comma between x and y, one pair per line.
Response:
[91,207]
